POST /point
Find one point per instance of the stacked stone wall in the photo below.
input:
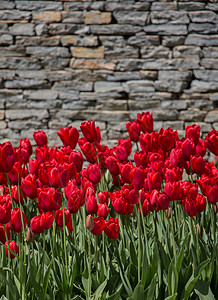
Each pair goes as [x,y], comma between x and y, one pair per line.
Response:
[63,62]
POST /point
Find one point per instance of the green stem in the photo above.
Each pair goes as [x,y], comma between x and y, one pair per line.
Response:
[214,225]
[9,264]
[90,278]
[139,245]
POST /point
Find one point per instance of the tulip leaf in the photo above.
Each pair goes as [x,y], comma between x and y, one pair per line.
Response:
[98,292]
[172,297]
[202,289]
[138,292]
[151,289]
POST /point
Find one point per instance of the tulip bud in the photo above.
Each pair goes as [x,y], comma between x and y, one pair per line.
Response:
[198,229]
[30,235]
[215,208]
[90,224]
[168,212]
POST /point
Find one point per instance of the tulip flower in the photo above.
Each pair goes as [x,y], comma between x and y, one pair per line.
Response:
[99,225]
[29,186]
[145,121]
[16,222]
[91,133]
[40,138]
[69,136]
[7,157]
[13,247]
[112,228]
[49,199]
[2,232]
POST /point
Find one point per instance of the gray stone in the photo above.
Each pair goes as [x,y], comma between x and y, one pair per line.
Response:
[49,51]
[14,15]
[203,17]
[192,115]
[140,86]
[200,103]
[22,29]
[141,39]
[166,29]
[7,74]
[12,50]
[206,75]
[15,114]
[32,74]
[41,94]
[160,96]
[159,115]
[131,17]
[118,52]
[78,105]
[48,104]
[201,40]
[189,6]
[139,105]
[6,39]
[124,76]
[69,95]
[205,28]
[170,64]
[152,75]
[37,41]
[171,41]
[54,63]
[210,52]
[100,96]
[19,63]
[130,6]
[170,86]
[160,6]
[174,104]
[15,102]
[215,125]
[187,51]
[209,63]
[3,124]
[59,29]
[214,97]
[86,41]
[106,116]
[129,65]
[7,5]
[27,124]
[77,5]
[4,28]
[107,86]
[172,17]
[26,83]
[175,125]
[36,5]
[111,105]
[154,52]
[76,17]
[212,116]
[115,29]
[110,41]
[41,29]
[175,75]
[59,75]
[73,85]
[204,86]
[98,5]
[212,6]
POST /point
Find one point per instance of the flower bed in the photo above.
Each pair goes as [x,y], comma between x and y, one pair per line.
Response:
[117,229]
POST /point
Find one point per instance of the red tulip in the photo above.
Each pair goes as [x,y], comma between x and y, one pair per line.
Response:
[193,132]
[112,228]
[7,157]
[141,159]
[5,209]
[201,203]
[75,200]
[190,207]
[94,173]
[103,210]
[2,232]
[49,199]
[91,205]
[91,133]
[69,136]
[112,165]
[177,158]
[17,195]
[88,150]
[77,158]
[29,186]
[13,247]
[99,225]
[197,164]
[154,181]
[59,217]
[46,220]
[145,121]
[137,178]
[16,222]
[40,138]
[133,130]
[35,224]
[103,197]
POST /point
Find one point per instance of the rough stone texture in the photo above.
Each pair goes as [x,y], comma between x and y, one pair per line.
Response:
[62,62]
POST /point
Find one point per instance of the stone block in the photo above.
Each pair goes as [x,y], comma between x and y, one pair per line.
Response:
[58,75]
[69,95]
[210,52]
[191,6]
[170,64]
[15,102]
[19,63]
[162,6]
[7,5]
[146,105]
[15,114]
[111,105]
[7,74]
[83,52]
[130,6]
[2,114]
[73,85]
[174,104]
[209,63]
[203,17]
[92,64]
[170,86]
[100,96]
[107,86]
[212,116]
[3,124]
[41,94]
[37,41]
[56,63]
[141,40]
[206,75]
[172,17]
[12,50]
[154,52]
[47,16]
[121,52]
[214,97]
[97,17]
[98,5]
[60,29]
[140,86]
[76,17]
[124,76]
[78,105]
[48,104]
[201,40]
[48,51]
[212,6]
[151,75]
[171,41]
[129,65]
[115,29]
[14,15]
[110,41]
[166,29]
[187,51]
[4,28]
[77,5]
[75,40]
[38,5]
[175,125]
[41,29]
[131,17]
[22,29]
[105,116]
[203,28]
[6,39]
[200,103]
[204,86]
[192,115]
[175,75]
[26,83]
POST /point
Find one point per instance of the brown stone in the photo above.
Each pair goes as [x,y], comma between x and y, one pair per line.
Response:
[2,114]
[83,52]
[47,16]
[97,17]
[92,64]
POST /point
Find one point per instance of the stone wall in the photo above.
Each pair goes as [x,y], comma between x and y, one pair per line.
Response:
[62,62]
